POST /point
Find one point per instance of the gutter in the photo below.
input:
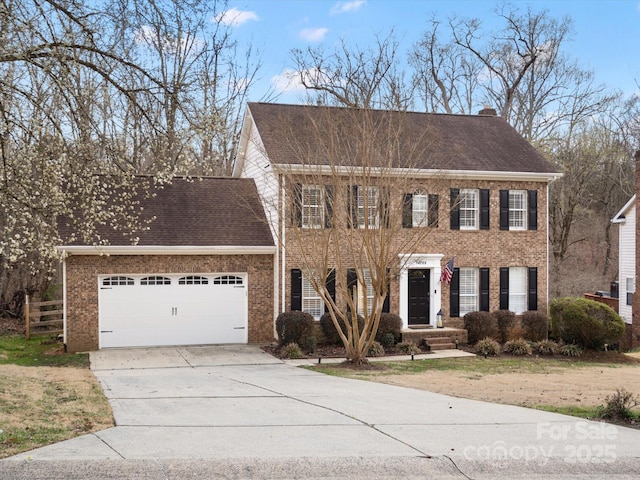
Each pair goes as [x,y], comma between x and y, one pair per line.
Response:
[67,250]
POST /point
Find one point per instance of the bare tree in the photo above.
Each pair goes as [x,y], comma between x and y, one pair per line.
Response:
[345,209]
[91,94]
[354,77]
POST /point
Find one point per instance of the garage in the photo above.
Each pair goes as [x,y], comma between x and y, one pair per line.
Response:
[170,309]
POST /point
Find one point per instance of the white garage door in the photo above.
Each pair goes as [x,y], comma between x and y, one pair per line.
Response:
[155,310]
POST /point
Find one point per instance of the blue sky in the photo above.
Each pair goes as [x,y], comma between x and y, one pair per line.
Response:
[606,32]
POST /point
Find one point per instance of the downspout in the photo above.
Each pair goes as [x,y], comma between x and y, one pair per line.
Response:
[64,301]
[282,245]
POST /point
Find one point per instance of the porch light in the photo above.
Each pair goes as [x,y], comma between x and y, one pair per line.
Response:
[440,319]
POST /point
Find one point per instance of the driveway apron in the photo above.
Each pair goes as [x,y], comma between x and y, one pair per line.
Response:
[238,402]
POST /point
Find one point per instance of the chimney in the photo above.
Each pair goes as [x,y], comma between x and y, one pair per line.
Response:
[488,111]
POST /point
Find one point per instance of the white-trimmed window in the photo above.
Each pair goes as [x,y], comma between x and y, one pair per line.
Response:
[365,293]
[420,209]
[518,289]
[469,209]
[311,301]
[468,290]
[368,213]
[631,288]
[517,209]
[312,206]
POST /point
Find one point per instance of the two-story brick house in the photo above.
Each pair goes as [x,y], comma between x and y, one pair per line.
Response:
[478,187]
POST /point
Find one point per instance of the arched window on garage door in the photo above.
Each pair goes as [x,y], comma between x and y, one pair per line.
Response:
[112,281]
[155,280]
[228,280]
[193,280]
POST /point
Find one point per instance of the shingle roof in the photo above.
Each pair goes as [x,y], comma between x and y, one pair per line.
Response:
[446,142]
[199,212]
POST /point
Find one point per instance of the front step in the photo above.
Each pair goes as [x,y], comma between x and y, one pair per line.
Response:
[439,343]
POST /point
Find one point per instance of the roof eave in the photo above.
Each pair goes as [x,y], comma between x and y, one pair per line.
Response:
[67,250]
[620,217]
[423,173]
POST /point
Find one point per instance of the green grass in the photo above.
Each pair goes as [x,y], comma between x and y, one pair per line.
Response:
[572,410]
[38,352]
[471,365]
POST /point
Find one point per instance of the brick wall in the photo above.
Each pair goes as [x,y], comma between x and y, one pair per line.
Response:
[82,288]
[493,248]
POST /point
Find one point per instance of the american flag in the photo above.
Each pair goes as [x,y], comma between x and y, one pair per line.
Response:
[447,272]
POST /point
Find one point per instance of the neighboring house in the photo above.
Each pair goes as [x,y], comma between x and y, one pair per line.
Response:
[626,219]
[483,191]
[201,274]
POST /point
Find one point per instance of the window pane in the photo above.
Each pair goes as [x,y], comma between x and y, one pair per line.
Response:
[312,206]
[368,207]
[517,289]
[311,301]
[517,209]
[468,290]
[420,210]
[469,209]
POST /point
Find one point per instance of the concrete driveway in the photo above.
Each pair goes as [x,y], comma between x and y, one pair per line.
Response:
[237,412]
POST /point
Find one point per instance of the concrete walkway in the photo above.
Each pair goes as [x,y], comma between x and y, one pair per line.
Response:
[237,412]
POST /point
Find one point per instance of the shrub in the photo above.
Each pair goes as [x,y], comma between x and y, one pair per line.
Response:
[294,327]
[506,321]
[310,344]
[376,350]
[585,322]
[480,325]
[408,348]
[487,347]
[388,340]
[535,325]
[546,347]
[292,350]
[571,350]
[389,323]
[518,347]
[329,329]
[618,405]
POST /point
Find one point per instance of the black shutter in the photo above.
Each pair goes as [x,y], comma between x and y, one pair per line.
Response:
[504,209]
[484,209]
[434,205]
[352,283]
[297,205]
[504,288]
[352,206]
[532,206]
[484,289]
[385,304]
[455,209]
[532,283]
[383,210]
[407,210]
[331,287]
[328,206]
[454,293]
[296,289]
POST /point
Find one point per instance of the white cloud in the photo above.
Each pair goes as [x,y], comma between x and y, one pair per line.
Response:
[347,7]
[287,81]
[234,17]
[313,34]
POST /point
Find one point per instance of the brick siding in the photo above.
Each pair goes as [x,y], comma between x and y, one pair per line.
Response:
[493,248]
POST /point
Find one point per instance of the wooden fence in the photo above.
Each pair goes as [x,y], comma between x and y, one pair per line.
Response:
[40,321]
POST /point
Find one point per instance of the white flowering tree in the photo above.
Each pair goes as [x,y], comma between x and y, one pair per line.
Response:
[93,93]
